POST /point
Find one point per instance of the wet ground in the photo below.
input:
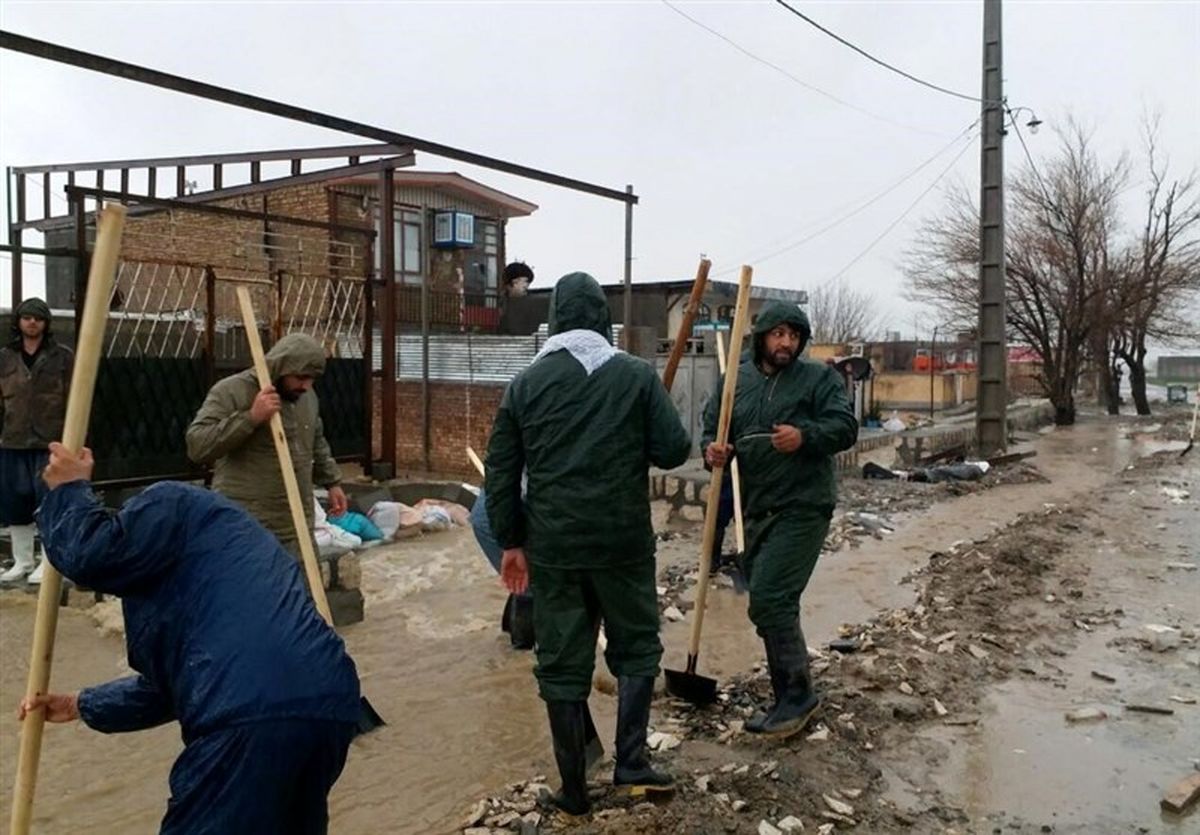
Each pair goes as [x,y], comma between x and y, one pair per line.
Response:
[464,719]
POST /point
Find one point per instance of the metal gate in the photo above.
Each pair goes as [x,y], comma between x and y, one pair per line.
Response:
[175,328]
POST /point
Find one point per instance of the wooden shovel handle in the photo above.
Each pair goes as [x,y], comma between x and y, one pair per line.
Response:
[311,569]
[685,326]
[738,527]
[89,345]
[714,485]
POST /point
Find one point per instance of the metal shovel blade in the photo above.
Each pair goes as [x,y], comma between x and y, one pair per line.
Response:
[691,686]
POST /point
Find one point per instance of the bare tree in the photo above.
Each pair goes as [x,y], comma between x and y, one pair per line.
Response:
[842,314]
[1159,279]
[1058,259]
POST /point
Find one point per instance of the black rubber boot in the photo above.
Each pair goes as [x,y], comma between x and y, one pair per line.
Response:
[799,700]
[755,723]
[567,725]
[506,615]
[633,715]
[521,622]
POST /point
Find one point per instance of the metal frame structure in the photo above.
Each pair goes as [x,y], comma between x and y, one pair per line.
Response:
[400,146]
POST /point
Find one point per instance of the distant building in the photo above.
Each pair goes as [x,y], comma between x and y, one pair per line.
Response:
[1185,369]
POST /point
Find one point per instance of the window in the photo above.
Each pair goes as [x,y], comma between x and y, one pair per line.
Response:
[407,248]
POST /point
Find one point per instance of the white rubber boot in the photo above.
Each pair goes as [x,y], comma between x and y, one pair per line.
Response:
[35,578]
[22,548]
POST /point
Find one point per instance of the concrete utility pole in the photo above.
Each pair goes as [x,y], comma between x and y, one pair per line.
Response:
[991,415]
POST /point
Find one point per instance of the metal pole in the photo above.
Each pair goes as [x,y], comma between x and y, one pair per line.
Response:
[990,418]
[932,349]
[426,417]
[14,238]
[627,311]
[387,311]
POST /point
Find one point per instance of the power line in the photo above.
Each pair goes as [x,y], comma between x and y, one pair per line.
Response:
[903,214]
[792,77]
[838,221]
[880,61]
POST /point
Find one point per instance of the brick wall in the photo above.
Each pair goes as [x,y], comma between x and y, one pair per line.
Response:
[456,423]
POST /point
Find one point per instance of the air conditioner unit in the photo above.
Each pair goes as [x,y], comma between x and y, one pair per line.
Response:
[453,229]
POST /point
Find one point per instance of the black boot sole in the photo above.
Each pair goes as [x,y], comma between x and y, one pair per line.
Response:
[793,727]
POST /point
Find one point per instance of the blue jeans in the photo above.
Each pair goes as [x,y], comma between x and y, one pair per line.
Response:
[483,535]
[21,485]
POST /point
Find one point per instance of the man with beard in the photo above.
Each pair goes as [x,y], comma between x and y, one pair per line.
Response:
[35,374]
[232,433]
[585,422]
[790,417]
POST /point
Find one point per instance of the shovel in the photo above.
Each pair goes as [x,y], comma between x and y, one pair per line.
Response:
[1192,434]
[687,684]
[368,719]
[739,529]
[593,750]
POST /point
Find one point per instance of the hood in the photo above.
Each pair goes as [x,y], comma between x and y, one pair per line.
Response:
[776,314]
[296,353]
[578,303]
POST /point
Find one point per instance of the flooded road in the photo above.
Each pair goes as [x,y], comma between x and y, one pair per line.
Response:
[464,718]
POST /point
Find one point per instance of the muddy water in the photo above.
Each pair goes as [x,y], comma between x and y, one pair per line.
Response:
[463,714]
[1025,760]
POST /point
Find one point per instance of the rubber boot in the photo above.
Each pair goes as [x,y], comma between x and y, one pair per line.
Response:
[22,549]
[35,577]
[755,723]
[506,616]
[521,622]
[567,725]
[633,716]
[799,700]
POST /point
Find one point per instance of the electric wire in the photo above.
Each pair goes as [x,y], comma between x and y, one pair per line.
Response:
[791,76]
[857,210]
[880,61]
[903,214]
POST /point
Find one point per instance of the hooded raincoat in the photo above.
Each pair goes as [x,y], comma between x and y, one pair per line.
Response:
[587,422]
[241,452]
[788,499]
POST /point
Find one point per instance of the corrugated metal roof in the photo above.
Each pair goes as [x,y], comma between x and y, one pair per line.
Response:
[464,357]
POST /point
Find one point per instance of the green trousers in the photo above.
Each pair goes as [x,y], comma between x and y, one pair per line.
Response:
[568,605]
[781,553]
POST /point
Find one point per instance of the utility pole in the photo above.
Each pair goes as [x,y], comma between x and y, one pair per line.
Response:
[627,301]
[991,416]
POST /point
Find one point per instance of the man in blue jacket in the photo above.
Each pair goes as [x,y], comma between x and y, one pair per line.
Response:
[230,647]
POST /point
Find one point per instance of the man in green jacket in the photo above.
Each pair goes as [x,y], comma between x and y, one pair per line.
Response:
[587,421]
[35,375]
[232,433]
[790,417]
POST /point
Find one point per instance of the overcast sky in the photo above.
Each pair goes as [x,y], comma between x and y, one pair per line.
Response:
[731,157]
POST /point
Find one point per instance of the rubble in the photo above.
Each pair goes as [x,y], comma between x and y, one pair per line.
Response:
[1086,714]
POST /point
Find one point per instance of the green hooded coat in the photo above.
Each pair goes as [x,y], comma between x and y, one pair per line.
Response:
[241,452]
[586,441]
[810,396]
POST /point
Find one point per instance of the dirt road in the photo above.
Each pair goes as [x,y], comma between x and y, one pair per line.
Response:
[465,720]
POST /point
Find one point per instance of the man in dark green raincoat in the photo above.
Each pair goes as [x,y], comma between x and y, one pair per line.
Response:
[790,417]
[586,421]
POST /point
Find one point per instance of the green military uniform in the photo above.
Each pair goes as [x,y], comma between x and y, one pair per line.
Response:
[587,441]
[788,498]
[586,422]
[242,453]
